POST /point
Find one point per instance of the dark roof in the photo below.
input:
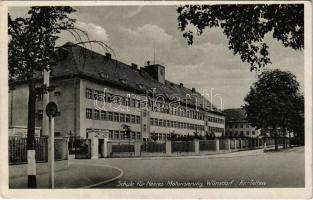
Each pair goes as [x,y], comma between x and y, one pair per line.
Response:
[235,115]
[77,60]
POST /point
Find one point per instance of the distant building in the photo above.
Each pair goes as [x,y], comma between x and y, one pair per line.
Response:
[97,94]
[237,124]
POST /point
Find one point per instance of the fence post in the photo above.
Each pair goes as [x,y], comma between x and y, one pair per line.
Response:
[94,148]
[217,145]
[235,144]
[228,141]
[105,147]
[109,149]
[240,144]
[168,148]
[197,150]
[137,148]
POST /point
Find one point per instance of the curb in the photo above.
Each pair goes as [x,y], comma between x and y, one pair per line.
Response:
[106,181]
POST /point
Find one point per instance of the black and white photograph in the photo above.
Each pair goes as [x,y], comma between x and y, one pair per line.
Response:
[127,96]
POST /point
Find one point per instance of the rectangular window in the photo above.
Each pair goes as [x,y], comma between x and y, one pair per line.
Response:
[110,116]
[116,116]
[95,94]
[137,119]
[127,118]
[96,114]
[160,122]
[133,135]
[152,122]
[138,135]
[132,102]
[133,119]
[103,115]
[88,93]
[247,132]
[110,134]
[116,135]
[144,128]
[89,113]
[122,117]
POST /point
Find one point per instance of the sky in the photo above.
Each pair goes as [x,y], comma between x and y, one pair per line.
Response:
[137,33]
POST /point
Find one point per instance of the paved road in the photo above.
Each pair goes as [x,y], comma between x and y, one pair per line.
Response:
[272,169]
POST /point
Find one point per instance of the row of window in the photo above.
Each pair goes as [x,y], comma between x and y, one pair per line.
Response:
[216,120]
[152,105]
[215,129]
[241,133]
[238,125]
[120,135]
[175,124]
[111,116]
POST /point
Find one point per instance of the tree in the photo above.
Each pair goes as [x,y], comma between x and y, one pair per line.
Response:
[272,102]
[32,49]
[245,27]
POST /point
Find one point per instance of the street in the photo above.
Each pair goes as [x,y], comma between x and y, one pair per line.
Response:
[271,169]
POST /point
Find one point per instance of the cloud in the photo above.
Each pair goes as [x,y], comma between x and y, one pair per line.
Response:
[148,34]
[134,12]
[94,31]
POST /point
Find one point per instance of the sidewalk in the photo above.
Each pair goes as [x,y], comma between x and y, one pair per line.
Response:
[76,176]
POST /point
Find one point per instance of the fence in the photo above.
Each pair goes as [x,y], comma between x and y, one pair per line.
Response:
[18,149]
[153,147]
[207,145]
[183,146]
[195,147]
[121,148]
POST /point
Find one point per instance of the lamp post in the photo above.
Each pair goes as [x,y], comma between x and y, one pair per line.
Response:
[51,110]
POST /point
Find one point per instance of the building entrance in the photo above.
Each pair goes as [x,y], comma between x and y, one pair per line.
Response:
[101,148]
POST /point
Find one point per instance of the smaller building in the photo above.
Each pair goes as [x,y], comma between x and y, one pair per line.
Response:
[237,124]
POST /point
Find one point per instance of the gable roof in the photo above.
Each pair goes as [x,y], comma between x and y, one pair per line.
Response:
[76,60]
[235,115]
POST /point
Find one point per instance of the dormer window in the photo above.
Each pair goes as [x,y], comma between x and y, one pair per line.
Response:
[123,81]
[140,86]
[103,75]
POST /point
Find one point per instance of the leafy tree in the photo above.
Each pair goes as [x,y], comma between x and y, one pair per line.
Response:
[272,102]
[32,49]
[245,27]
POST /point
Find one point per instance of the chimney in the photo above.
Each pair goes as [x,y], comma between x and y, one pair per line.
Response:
[108,56]
[181,85]
[193,89]
[133,66]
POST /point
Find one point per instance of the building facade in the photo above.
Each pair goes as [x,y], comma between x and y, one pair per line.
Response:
[98,94]
[237,124]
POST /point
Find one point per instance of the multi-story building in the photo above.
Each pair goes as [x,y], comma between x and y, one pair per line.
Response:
[237,124]
[98,94]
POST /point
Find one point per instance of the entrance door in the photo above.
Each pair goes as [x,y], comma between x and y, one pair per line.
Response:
[100,148]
